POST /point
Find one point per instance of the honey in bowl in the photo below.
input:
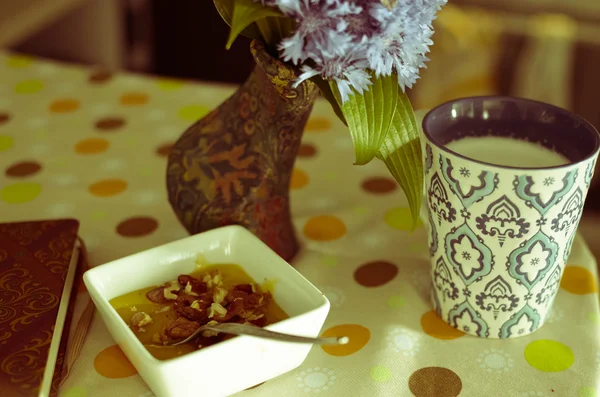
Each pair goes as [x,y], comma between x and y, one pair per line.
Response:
[162,314]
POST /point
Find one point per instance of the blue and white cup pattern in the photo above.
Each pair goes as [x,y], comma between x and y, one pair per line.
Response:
[499,239]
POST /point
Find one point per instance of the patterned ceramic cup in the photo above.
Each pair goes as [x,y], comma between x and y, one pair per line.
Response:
[499,236]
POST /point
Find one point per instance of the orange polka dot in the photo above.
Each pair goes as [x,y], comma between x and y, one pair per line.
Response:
[324,228]
[112,363]
[134,99]
[436,327]
[91,146]
[357,334]
[108,187]
[318,124]
[299,179]
[578,280]
[64,106]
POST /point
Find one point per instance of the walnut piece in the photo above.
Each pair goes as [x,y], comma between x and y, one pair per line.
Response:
[210,333]
[216,310]
[254,317]
[219,294]
[168,292]
[188,289]
[133,309]
[217,279]
[214,280]
[196,286]
[196,305]
[162,310]
[181,328]
[156,295]
[140,319]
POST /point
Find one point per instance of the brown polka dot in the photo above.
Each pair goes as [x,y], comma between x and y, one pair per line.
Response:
[137,226]
[110,123]
[100,76]
[375,274]
[307,150]
[134,99]
[22,169]
[379,185]
[4,118]
[434,382]
[255,386]
[164,150]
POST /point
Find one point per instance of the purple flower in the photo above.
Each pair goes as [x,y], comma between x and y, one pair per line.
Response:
[405,40]
[316,21]
[348,72]
[346,40]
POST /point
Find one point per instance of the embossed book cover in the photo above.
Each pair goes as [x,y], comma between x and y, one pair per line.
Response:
[38,265]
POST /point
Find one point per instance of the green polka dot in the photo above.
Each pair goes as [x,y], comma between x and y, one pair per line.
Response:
[193,112]
[41,135]
[396,301]
[29,87]
[330,176]
[61,162]
[594,317]
[132,141]
[549,355]
[586,391]
[360,210]
[75,391]
[329,261]
[418,248]
[6,142]
[400,218]
[380,373]
[169,84]
[99,215]
[18,61]
[18,193]
[146,171]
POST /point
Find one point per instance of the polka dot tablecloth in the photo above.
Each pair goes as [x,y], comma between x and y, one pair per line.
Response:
[87,144]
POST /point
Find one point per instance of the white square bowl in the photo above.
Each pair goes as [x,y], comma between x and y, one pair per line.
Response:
[229,366]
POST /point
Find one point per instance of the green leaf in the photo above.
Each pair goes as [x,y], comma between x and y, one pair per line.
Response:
[401,153]
[327,93]
[370,115]
[225,9]
[246,12]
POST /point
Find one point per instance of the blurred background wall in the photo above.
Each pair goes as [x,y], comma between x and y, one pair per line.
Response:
[547,50]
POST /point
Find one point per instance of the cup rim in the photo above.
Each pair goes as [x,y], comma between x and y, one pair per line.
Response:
[558,109]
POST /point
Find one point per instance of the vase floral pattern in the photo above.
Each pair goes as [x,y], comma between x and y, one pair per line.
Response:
[499,239]
[235,165]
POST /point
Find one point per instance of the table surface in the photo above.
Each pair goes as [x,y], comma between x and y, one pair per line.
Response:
[82,143]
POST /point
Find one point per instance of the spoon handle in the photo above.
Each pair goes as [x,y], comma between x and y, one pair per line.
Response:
[241,329]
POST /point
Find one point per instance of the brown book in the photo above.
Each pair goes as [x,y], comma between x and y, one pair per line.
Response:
[38,266]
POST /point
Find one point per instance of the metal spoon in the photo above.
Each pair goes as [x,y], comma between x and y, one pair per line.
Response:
[241,329]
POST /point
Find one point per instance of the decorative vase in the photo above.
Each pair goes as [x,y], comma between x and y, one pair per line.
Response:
[234,166]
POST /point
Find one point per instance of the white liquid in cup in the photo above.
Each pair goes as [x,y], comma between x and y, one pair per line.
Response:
[507,152]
